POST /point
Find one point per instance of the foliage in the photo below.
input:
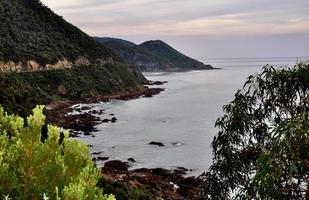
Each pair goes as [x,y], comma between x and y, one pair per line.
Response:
[261,150]
[31,31]
[35,168]
[21,92]
[124,191]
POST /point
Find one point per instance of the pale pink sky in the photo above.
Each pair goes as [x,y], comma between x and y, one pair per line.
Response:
[189,24]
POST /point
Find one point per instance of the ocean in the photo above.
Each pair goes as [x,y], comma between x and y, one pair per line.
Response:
[182,117]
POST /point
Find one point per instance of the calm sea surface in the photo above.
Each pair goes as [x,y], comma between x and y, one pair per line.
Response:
[182,117]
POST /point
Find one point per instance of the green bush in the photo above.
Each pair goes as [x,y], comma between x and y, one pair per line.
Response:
[32,167]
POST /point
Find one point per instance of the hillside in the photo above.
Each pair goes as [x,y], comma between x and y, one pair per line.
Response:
[152,55]
[34,37]
[43,58]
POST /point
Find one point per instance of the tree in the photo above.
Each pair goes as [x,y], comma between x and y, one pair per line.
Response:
[262,147]
[36,167]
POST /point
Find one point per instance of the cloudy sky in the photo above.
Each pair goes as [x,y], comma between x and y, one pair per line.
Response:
[200,28]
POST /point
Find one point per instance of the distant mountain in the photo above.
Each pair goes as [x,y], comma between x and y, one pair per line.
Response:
[152,55]
[34,37]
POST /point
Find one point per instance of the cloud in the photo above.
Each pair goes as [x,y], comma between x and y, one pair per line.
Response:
[183,17]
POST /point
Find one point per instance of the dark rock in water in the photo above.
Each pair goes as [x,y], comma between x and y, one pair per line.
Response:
[156,82]
[114,120]
[85,108]
[97,153]
[181,170]
[152,91]
[102,158]
[160,144]
[111,114]
[148,95]
[74,135]
[87,133]
[100,112]
[116,165]
[94,159]
[89,145]
[131,160]
[97,112]
[105,121]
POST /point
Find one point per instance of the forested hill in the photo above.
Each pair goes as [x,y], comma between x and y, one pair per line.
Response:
[32,36]
[152,55]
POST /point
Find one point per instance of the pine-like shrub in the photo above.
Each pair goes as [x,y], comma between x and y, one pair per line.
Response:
[44,166]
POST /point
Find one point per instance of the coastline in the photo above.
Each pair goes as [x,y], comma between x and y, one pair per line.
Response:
[57,112]
[167,183]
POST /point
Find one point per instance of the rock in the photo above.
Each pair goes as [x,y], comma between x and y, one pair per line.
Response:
[111,114]
[102,158]
[100,112]
[97,153]
[156,82]
[150,92]
[87,133]
[114,120]
[161,172]
[160,144]
[105,120]
[148,95]
[97,112]
[85,108]
[116,165]
[81,122]
[131,160]
[181,170]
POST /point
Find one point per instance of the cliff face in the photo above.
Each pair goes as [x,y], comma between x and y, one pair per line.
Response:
[152,55]
[32,38]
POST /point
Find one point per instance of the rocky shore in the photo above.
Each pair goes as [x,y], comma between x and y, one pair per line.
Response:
[84,119]
[80,118]
[161,183]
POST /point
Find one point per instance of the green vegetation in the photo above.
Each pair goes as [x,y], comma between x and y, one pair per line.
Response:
[33,167]
[21,92]
[261,150]
[31,31]
[152,55]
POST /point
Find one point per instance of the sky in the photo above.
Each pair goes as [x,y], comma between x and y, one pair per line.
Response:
[200,28]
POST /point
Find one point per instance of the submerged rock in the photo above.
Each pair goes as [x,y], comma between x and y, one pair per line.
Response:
[116,165]
[114,120]
[131,160]
[102,158]
[160,144]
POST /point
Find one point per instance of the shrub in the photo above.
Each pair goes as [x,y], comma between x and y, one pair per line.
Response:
[33,167]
